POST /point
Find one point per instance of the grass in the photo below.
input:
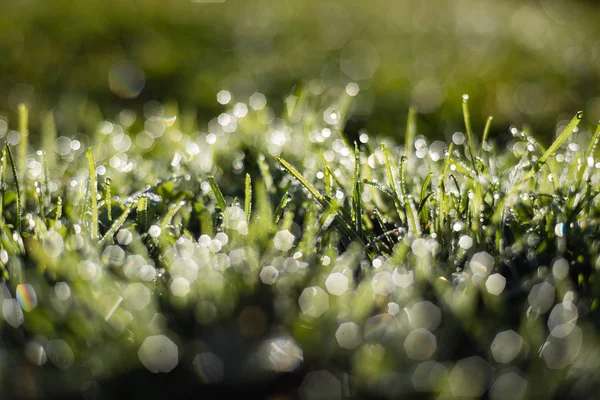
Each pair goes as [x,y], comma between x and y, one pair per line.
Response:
[375,261]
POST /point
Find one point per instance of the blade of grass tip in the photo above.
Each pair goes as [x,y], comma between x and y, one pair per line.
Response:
[424,196]
[40,198]
[108,198]
[93,194]
[388,166]
[265,173]
[467,118]
[343,109]
[11,160]
[23,142]
[356,193]
[332,178]
[486,132]
[413,220]
[564,135]
[409,139]
[217,192]
[312,190]
[442,190]
[46,171]
[425,184]
[116,225]
[281,207]
[171,213]
[380,187]
[48,139]
[248,198]
[327,176]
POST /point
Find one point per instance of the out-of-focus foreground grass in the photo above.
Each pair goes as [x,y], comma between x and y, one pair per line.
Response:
[526,61]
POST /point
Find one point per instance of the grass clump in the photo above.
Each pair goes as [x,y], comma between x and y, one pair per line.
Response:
[434,267]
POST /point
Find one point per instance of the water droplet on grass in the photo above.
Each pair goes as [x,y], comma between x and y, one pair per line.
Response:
[159,354]
[348,335]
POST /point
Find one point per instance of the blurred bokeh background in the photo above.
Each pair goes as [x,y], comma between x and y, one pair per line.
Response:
[520,61]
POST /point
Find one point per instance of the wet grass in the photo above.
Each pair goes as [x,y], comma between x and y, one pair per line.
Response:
[276,244]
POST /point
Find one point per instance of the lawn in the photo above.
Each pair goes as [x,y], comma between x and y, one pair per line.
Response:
[244,216]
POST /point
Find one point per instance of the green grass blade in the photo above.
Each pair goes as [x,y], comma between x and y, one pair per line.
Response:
[281,207]
[217,192]
[442,190]
[327,174]
[486,131]
[248,197]
[116,225]
[108,198]
[548,153]
[142,213]
[23,142]
[171,213]
[379,186]
[312,190]
[49,138]
[93,194]
[425,184]
[412,218]
[357,193]
[467,119]
[388,168]
[11,160]
[265,173]
[409,139]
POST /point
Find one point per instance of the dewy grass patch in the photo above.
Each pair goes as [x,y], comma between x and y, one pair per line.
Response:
[270,245]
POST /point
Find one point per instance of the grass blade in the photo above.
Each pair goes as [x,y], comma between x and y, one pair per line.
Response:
[115,226]
[48,139]
[248,197]
[425,184]
[217,192]
[265,173]
[413,220]
[356,193]
[327,174]
[442,190]
[281,207]
[108,198]
[486,131]
[11,159]
[467,118]
[171,213]
[94,194]
[312,190]
[379,186]
[23,142]
[142,213]
[548,153]
[411,132]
